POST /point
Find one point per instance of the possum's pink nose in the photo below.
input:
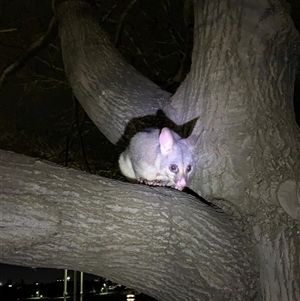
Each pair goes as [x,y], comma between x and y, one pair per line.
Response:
[180,184]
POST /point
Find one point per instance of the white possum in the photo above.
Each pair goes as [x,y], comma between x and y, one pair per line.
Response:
[158,157]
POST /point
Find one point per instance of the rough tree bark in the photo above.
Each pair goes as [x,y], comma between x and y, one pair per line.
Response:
[247,160]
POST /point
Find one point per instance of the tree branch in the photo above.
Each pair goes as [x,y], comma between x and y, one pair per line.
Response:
[61,218]
[110,90]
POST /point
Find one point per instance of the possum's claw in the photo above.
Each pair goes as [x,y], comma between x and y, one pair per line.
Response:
[151,183]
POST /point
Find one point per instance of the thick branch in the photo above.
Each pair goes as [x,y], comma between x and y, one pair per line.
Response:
[110,90]
[61,218]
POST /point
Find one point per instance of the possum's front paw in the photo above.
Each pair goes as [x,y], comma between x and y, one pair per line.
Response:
[151,183]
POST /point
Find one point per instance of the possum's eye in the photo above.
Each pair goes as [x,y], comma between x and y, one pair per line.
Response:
[173,168]
[189,168]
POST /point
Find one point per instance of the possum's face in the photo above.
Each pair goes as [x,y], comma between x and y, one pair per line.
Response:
[177,165]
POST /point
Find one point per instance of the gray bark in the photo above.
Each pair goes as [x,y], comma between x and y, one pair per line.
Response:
[160,241]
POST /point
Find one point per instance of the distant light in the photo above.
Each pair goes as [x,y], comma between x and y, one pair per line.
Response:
[37,293]
[36,283]
[10,285]
[0,283]
[130,297]
[68,278]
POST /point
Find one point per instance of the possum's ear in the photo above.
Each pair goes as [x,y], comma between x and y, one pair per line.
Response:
[192,140]
[166,141]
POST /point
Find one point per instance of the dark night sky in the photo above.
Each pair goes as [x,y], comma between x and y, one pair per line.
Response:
[29,275]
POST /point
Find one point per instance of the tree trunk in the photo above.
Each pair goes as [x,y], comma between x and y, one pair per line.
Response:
[250,137]
[247,162]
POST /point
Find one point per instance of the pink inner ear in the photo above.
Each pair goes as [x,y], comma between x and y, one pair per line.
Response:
[166,141]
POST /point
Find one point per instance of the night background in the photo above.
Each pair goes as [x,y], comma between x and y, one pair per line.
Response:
[40,117]
[16,273]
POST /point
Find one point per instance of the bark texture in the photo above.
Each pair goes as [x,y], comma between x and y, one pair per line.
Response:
[175,247]
[279,263]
